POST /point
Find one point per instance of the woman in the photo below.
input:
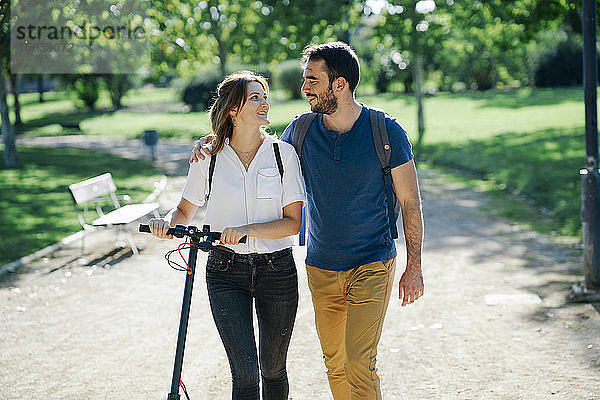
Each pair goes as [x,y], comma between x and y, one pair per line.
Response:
[248,195]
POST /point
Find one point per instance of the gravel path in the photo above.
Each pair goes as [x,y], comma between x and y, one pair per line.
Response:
[493,324]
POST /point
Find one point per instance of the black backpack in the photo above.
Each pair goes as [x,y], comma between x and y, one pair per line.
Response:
[384,153]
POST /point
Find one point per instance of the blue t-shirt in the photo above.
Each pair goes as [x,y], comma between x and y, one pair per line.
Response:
[347,218]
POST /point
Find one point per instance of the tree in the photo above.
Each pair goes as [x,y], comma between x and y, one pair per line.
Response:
[14,83]
[287,26]
[492,38]
[191,34]
[411,33]
[11,157]
[117,86]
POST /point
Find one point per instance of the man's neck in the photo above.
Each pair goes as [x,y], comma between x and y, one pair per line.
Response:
[343,119]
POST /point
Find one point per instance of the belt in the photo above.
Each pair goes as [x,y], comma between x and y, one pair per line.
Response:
[230,255]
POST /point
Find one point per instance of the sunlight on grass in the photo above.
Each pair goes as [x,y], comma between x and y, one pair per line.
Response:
[448,118]
[522,163]
[37,210]
[527,142]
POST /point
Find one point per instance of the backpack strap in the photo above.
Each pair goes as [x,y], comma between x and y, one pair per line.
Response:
[278,159]
[211,172]
[300,130]
[384,153]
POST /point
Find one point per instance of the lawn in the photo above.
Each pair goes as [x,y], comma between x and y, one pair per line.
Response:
[525,142]
[449,118]
[541,167]
[37,210]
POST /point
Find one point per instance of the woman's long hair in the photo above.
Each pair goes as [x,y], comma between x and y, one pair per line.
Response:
[231,94]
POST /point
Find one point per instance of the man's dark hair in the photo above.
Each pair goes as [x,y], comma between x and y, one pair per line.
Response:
[340,60]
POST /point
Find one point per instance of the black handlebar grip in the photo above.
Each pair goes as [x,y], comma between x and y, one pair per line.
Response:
[217,236]
[146,229]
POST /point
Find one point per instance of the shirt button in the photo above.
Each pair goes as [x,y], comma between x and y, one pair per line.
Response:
[387,147]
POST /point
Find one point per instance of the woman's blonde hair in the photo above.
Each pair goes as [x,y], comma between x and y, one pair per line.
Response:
[231,94]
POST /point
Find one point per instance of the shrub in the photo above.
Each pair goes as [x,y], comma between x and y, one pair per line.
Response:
[562,66]
[199,93]
[117,86]
[288,76]
[85,87]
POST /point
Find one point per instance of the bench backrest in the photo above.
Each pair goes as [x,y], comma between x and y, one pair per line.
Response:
[94,188]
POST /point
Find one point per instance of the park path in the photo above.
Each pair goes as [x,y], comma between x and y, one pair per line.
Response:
[172,153]
[493,324]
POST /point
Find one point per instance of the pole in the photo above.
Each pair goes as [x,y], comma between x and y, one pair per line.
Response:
[183,322]
[590,178]
[590,81]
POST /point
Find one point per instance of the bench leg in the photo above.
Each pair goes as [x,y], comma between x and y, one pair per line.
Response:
[83,243]
[132,244]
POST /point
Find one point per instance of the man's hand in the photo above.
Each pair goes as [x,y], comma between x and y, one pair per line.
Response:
[411,285]
[204,144]
[233,235]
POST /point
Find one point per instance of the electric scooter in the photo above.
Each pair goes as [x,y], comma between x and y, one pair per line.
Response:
[199,240]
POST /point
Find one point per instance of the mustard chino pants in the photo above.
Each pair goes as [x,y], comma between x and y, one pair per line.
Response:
[349,309]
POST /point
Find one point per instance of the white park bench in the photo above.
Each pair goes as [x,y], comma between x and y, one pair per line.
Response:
[102,190]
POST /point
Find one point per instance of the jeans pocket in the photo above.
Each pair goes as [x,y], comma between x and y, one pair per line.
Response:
[284,263]
[217,263]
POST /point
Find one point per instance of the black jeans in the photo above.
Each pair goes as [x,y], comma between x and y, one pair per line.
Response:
[234,282]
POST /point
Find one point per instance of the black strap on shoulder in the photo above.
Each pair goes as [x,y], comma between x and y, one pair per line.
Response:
[384,153]
[380,137]
[300,130]
[278,159]
[211,171]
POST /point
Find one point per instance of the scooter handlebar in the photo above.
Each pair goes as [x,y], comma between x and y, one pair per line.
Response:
[180,231]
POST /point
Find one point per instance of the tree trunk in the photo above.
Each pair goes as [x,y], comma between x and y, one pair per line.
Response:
[11,158]
[117,85]
[418,71]
[13,83]
[40,87]
[222,57]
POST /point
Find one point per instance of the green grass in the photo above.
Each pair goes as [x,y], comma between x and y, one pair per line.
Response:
[457,118]
[37,210]
[542,167]
[527,145]
[451,118]
[525,141]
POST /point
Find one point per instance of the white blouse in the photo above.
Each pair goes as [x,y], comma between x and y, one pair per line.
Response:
[239,197]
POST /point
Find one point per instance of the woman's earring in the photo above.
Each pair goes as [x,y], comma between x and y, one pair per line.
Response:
[233,121]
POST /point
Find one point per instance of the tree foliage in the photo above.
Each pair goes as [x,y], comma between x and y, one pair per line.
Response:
[479,43]
[191,34]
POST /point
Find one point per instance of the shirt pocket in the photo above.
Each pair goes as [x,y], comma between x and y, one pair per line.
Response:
[268,185]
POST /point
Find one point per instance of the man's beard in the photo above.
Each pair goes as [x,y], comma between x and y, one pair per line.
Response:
[326,105]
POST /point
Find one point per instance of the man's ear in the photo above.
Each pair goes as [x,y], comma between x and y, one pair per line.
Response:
[339,83]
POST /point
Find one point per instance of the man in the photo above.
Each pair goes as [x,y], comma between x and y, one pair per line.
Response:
[351,256]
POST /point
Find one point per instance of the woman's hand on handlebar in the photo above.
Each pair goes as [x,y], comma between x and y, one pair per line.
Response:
[233,235]
[159,228]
